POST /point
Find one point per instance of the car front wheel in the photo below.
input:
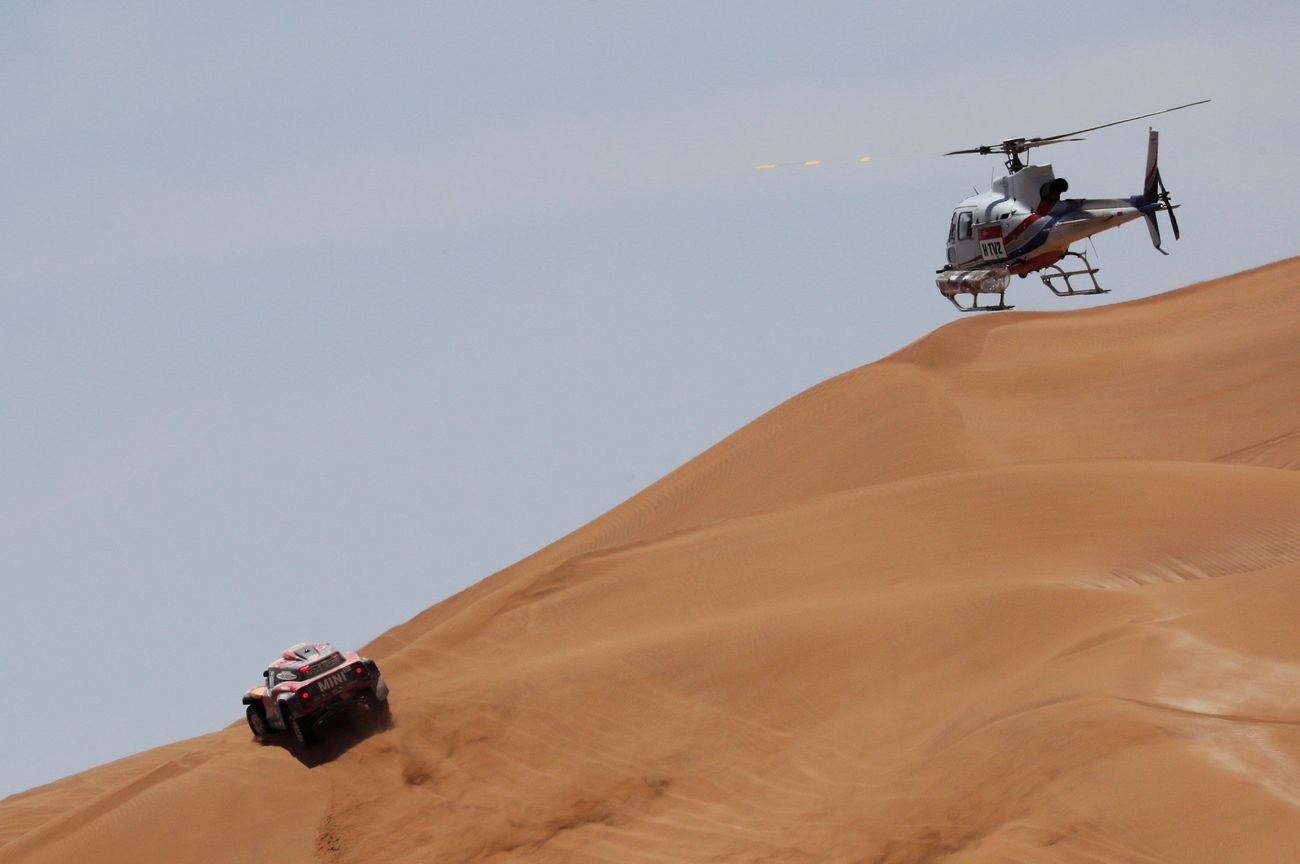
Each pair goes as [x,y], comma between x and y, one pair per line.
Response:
[257,721]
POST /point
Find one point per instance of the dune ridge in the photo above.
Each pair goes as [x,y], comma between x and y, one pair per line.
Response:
[1022,591]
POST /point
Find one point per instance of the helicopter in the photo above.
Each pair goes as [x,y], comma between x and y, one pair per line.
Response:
[1023,224]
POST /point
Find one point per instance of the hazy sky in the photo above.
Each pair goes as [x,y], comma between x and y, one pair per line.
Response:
[314,314]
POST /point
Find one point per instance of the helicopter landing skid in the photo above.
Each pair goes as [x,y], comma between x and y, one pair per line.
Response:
[975,307]
[975,282]
[1064,275]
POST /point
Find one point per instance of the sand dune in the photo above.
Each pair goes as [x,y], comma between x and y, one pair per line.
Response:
[1023,591]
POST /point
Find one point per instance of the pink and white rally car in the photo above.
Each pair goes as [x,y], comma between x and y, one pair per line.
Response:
[309,682]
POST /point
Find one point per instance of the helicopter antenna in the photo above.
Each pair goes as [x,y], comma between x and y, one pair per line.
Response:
[1013,147]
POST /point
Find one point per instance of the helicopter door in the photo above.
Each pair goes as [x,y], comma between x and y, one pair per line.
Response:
[962,248]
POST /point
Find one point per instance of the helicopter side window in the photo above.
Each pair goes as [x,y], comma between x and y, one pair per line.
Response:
[963,226]
[952,228]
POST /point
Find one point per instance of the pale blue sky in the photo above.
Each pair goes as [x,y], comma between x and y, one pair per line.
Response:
[314,314]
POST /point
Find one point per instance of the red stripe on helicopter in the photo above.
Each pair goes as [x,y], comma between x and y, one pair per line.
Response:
[1020,229]
[990,232]
[1037,263]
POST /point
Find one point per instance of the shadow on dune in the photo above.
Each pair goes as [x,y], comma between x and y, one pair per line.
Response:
[335,736]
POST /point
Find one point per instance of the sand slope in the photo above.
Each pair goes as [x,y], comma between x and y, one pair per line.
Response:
[1024,591]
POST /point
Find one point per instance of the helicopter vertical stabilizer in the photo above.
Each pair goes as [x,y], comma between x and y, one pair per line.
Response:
[1153,169]
[1150,184]
[1154,194]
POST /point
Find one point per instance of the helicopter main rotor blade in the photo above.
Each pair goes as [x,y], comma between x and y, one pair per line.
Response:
[1029,145]
[1020,145]
[1035,142]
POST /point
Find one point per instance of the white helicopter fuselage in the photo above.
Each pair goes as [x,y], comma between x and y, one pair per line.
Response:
[1021,226]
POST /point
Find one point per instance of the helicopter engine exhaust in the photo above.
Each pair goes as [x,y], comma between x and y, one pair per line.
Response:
[1051,191]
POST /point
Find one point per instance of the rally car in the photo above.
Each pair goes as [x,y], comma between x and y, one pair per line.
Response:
[309,682]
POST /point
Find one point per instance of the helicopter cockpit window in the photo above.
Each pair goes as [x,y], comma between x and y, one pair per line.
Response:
[952,228]
[963,226]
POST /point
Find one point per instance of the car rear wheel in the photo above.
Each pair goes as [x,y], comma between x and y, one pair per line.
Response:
[378,703]
[302,732]
[379,692]
[257,721]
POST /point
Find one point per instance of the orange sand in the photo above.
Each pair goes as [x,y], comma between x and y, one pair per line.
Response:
[1025,591]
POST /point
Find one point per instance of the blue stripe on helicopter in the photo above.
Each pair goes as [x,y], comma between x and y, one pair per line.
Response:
[1039,238]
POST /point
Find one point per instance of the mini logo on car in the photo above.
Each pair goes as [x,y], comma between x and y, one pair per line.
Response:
[333,681]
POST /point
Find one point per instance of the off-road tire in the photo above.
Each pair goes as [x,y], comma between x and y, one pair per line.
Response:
[378,707]
[302,731]
[257,721]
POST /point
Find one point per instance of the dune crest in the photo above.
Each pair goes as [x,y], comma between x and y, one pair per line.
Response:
[1022,591]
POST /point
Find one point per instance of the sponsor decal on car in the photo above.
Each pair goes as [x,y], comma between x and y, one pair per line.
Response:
[332,681]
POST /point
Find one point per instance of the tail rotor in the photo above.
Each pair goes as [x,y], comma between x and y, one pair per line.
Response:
[1155,193]
[1169,207]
